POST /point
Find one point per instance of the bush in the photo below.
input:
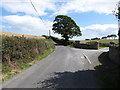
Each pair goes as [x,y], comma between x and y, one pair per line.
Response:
[95,38]
[87,39]
[104,44]
[16,48]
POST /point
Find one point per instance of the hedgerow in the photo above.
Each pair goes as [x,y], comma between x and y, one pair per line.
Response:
[21,49]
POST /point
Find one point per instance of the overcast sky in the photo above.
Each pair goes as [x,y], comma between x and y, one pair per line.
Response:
[94,17]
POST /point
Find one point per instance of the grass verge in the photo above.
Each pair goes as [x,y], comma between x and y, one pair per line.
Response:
[69,45]
[107,72]
[101,41]
[102,47]
[9,72]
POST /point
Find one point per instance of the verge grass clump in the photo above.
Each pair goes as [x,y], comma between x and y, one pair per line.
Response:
[18,53]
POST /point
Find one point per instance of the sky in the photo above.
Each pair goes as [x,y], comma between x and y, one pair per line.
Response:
[94,17]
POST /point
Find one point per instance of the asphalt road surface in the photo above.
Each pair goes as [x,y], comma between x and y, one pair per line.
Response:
[65,68]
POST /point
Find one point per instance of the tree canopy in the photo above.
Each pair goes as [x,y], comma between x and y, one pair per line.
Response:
[66,26]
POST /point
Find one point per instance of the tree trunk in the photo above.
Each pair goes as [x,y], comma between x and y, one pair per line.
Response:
[66,39]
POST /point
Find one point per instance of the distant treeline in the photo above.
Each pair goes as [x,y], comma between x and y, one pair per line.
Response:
[59,41]
[16,48]
[112,36]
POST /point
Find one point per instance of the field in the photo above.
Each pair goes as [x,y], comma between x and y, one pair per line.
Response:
[14,34]
[101,41]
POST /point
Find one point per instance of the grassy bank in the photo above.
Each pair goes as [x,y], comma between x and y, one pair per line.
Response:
[103,47]
[107,72]
[101,41]
[9,72]
[19,53]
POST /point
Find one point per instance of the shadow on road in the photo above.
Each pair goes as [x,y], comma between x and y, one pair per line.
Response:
[79,79]
[108,72]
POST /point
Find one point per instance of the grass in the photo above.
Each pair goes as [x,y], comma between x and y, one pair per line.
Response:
[107,72]
[69,45]
[101,41]
[102,47]
[9,72]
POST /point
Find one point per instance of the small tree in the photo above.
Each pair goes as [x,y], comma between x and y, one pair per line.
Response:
[65,26]
[104,38]
[113,36]
[108,36]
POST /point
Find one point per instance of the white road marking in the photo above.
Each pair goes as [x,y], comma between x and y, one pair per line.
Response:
[87,58]
[82,57]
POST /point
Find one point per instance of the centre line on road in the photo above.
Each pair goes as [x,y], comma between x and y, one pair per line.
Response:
[87,58]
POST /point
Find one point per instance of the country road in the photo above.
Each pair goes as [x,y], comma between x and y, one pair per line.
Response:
[65,68]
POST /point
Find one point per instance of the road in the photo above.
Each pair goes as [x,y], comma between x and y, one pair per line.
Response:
[65,68]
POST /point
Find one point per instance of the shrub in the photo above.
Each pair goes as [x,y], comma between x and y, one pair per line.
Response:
[16,48]
[104,44]
[87,39]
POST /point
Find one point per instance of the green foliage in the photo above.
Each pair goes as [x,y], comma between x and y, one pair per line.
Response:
[101,41]
[104,44]
[100,44]
[47,37]
[15,48]
[20,49]
[87,39]
[19,53]
[61,41]
[117,13]
[9,71]
[104,37]
[102,47]
[95,38]
[65,26]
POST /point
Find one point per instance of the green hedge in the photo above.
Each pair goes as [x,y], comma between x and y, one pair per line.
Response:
[100,44]
[104,44]
[16,48]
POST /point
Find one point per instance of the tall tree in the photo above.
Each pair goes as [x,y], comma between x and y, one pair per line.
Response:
[117,14]
[119,21]
[66,26]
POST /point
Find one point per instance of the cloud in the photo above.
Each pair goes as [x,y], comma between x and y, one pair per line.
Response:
[98,30]
[59,6]
[99,6]
[102,29]
[25,6]
[28,24]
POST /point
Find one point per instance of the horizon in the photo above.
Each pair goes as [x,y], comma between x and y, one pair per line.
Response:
[95,18]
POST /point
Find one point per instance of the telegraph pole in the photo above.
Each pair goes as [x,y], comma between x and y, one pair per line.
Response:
[49,32]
